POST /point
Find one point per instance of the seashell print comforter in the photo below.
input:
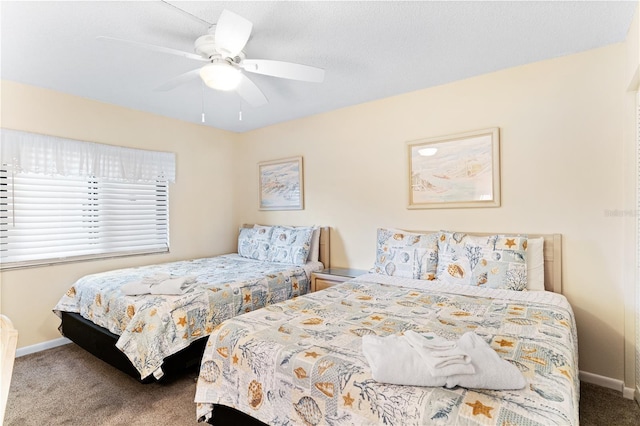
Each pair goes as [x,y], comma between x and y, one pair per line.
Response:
[152,327]
[300,362]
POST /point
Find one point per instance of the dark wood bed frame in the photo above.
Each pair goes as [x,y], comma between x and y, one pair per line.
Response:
[102,343]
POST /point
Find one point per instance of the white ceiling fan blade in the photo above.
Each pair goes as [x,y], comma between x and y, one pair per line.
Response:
[232,32]
[284,70]
[154,48]
[178,80]
[251,93]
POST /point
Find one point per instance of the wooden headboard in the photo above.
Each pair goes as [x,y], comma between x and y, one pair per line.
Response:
[552,257]
[325,252]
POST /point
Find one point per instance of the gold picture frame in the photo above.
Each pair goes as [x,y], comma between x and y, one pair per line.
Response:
[455,171]
[281,184]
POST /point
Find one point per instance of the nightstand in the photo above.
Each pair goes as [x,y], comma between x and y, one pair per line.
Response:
[332,276]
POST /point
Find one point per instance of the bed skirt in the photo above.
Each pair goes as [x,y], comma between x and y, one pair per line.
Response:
[102,343]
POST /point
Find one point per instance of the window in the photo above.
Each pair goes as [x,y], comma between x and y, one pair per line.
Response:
[88,207]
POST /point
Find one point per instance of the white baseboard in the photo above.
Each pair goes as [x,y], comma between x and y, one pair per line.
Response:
[628,393]
[42,346]
[607,382]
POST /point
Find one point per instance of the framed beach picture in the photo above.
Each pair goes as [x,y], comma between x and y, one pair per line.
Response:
[281,184]
[461,170]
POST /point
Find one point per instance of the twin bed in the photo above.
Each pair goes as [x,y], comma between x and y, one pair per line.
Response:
[301,361]
[149,335]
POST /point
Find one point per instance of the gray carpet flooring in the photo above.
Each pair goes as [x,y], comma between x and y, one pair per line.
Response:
[68,386]
[605,407]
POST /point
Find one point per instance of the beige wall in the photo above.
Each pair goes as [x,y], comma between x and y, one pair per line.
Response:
[561,125]
[201,212]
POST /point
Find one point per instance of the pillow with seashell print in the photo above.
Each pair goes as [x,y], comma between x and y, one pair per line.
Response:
[495,261]
[290,245]
[406,254]
[294,245]
[254,243]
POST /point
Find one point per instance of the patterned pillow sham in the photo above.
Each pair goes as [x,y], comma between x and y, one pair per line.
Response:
[406,254]
[496,261]
[255,243]
[290,245]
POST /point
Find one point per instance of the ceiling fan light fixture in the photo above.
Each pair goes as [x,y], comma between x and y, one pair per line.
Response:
[221,76]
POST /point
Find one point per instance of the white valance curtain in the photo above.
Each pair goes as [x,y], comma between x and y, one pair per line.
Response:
[51,155]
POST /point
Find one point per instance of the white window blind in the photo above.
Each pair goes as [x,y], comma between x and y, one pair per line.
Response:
[47,218]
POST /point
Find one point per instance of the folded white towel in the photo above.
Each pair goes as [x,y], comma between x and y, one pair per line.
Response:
[393,360]
[135,288]
[429,341]
[492,372]
[155,278]
[441,356]
[160,283]
[177,285]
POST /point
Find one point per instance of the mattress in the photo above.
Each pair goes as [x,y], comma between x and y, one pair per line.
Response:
[301,362]
[153,327]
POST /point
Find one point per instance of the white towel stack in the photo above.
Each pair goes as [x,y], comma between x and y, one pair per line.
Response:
[492,372]
[135,288]
[160,283]
[155,278]
[442,357]
[429,360]
[173,285]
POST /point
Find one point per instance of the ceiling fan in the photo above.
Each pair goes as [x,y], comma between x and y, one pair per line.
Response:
[222,48]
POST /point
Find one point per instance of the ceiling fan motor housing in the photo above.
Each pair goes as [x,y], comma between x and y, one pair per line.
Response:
[205,46]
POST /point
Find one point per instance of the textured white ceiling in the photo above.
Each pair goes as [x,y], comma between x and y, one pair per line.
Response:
[370,50]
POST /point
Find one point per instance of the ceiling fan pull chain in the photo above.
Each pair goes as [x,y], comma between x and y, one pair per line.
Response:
[202,84]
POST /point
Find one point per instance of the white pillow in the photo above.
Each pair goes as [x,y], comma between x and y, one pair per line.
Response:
[314,251]
[535,264]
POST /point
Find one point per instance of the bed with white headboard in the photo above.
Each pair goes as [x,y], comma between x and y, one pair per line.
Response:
[303,361]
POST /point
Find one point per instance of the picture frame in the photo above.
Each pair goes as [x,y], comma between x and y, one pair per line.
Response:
[281,184]
[455,171]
